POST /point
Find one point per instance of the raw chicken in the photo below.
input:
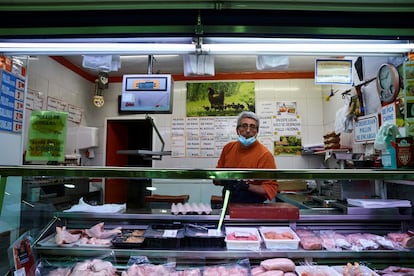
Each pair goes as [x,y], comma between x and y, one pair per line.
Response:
[65,237]
[309,240]
[361,242]
[59,272]
[98,231]
[94,267]
[225,270]
[147,270]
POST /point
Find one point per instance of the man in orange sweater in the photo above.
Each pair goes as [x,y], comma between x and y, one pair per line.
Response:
[247,153]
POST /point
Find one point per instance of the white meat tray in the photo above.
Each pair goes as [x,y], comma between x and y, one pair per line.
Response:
[279,243]
[242,242]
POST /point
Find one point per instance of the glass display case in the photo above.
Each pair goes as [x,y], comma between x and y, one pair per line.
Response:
[381,221]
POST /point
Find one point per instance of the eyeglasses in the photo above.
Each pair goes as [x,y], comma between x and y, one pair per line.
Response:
[246,126]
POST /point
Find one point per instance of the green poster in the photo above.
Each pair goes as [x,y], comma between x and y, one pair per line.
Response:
[47,136]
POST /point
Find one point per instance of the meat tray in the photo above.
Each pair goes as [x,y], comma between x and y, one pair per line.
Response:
[316,270]
[284,238]
[50,241]
[243,238]
[164,236]
[203,236]
[129,238]
[360,270]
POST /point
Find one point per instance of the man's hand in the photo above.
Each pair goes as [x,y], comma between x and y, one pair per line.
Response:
[235,185]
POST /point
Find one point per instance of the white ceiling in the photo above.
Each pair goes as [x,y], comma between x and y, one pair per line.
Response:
[174,64]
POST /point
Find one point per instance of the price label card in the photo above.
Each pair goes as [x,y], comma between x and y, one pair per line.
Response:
[170,233]
[213,232]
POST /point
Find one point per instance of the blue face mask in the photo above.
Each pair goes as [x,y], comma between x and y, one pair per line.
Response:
[247,141]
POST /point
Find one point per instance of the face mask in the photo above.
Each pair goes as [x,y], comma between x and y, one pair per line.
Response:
[247,141]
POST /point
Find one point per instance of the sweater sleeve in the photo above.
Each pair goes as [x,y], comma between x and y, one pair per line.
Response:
[270,186]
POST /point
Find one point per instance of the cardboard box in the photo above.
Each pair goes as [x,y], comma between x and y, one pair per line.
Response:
[276,210]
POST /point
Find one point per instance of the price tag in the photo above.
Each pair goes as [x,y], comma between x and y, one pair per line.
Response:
[170,233]
[213,232]
[242,234]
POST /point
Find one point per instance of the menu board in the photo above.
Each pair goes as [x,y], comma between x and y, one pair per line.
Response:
[11,102]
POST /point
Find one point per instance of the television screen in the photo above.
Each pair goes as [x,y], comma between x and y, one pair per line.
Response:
[333,71]
[146,94]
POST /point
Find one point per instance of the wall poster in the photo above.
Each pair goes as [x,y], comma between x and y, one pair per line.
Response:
[47,136]
[287,129]
[220,98]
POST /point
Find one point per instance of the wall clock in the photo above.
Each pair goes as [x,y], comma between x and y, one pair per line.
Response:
[388,83]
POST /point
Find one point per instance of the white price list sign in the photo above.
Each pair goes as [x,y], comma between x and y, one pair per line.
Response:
[366,129]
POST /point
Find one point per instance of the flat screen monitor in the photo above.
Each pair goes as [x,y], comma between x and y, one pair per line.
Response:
[146,94]
[333,71]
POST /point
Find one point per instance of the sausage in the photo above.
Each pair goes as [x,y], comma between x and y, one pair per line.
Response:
[257,270]
[283,264]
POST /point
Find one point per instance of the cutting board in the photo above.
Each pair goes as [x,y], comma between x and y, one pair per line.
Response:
[275,210]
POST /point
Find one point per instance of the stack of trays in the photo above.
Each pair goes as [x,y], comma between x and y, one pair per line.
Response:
[242,238]
[203,236]
[279,237]
[168,235]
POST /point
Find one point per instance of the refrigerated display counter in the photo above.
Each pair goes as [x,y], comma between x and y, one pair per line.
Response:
[313,219]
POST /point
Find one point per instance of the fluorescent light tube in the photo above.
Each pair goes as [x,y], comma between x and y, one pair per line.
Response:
[95,48]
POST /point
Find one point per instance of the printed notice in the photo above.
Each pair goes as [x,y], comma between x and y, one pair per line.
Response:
[366,128]
[11,102]
[47,136]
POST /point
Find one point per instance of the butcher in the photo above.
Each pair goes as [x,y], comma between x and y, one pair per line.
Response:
[247,152]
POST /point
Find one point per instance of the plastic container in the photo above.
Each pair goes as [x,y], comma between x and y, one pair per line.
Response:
[242,238]
[203,236]
[129,238]
[160,236]
[283,237]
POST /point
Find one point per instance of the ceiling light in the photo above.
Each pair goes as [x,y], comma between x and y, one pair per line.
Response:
[308,49]
[210,45]
[95,48]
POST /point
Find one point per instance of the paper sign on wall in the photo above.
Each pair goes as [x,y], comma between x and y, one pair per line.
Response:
[47,136]
[366,129]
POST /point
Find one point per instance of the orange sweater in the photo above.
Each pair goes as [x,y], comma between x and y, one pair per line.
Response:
[257,155]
